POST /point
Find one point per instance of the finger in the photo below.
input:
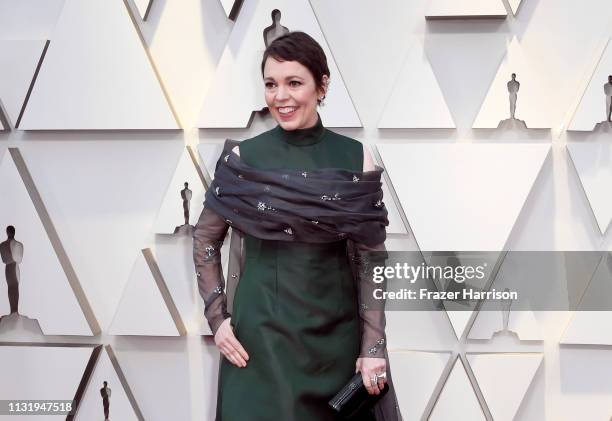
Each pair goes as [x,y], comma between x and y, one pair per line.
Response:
[238,358]
[368,384]
[227,353]
[238,347]
[231,356]
[231,352]
[228,357]
[381,380]
[365,380]
[223,350]
[374,390]
[375,386]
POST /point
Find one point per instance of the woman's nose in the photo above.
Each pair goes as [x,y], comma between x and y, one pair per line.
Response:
[282,93]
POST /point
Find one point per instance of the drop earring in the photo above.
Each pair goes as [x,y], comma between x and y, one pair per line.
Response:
[321,100]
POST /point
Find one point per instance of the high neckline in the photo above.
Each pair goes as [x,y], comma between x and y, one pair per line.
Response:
[303,137]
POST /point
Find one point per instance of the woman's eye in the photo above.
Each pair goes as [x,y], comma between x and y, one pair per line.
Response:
[269,85]
[295,83]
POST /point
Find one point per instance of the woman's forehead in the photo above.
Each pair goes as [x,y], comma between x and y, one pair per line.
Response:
[283,69]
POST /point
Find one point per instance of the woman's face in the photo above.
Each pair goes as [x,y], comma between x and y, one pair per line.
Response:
[291,93]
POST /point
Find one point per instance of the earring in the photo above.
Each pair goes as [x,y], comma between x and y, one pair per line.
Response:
[321,100]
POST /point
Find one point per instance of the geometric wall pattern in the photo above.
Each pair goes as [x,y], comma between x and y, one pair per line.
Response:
[24,367]
[171,213]
[465,9]
[459,320]
[18,59]
[173,255]
[209,155]
[98,74]
[588,326]
[143,7]
[396,225]
[514,5]
[231,7]
[435,332]
[45,292]
[593,164]
[416,80]
[521,323]
[517,372]
[462,196]
[152,316]
[237,89]
[181,364]
[592,371]
[531,104]
[28,19]
[457,397]
[593,104]
[415,391]
[120,400]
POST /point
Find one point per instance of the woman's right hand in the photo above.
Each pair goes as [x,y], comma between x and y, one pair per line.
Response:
[229,346]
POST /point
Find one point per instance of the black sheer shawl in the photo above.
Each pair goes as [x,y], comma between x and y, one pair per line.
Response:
[318,206]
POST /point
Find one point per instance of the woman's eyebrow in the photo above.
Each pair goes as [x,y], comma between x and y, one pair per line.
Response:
[286,78]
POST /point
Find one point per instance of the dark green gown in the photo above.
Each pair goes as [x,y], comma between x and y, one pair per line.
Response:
[295,309]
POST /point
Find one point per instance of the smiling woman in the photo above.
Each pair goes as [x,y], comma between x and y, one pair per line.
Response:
[299,327]
[294,87]
[291,93]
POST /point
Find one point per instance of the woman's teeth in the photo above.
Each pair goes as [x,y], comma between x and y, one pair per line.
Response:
[286,110]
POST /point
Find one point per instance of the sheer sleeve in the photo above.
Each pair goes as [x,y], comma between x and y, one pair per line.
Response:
[371,310]
[208,238]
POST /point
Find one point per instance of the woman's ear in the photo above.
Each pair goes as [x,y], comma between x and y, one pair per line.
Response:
[323,89]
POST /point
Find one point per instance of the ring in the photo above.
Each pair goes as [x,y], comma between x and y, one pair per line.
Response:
[374,380]
[382,375]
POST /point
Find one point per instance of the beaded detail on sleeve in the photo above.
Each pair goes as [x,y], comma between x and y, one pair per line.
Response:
[372,318]
[208,238]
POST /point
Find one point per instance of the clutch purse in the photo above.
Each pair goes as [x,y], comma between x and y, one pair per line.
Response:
[354,398]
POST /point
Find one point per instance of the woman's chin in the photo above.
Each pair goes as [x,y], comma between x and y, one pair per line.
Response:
[288,125]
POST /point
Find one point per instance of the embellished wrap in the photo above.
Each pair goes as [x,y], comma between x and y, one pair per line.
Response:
[318,206]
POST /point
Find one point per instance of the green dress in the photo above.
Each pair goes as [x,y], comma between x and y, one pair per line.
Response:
[295,309]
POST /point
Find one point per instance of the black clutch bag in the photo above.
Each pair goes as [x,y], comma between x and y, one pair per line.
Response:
[354,398]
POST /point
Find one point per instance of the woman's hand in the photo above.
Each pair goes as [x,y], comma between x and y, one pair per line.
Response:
[369,367]
[229,346]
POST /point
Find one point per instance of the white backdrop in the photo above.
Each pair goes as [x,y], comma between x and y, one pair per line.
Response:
[103,188]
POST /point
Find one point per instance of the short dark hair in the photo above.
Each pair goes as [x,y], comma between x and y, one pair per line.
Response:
[301,47]
[10,231]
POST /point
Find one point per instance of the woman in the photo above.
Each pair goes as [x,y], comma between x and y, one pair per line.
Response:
[306,199]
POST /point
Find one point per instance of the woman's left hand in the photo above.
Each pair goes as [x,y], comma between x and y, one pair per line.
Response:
[368,368]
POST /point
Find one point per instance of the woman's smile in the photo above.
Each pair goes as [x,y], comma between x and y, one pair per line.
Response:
[286,113]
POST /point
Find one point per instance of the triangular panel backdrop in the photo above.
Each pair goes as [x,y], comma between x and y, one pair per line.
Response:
[461,174]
